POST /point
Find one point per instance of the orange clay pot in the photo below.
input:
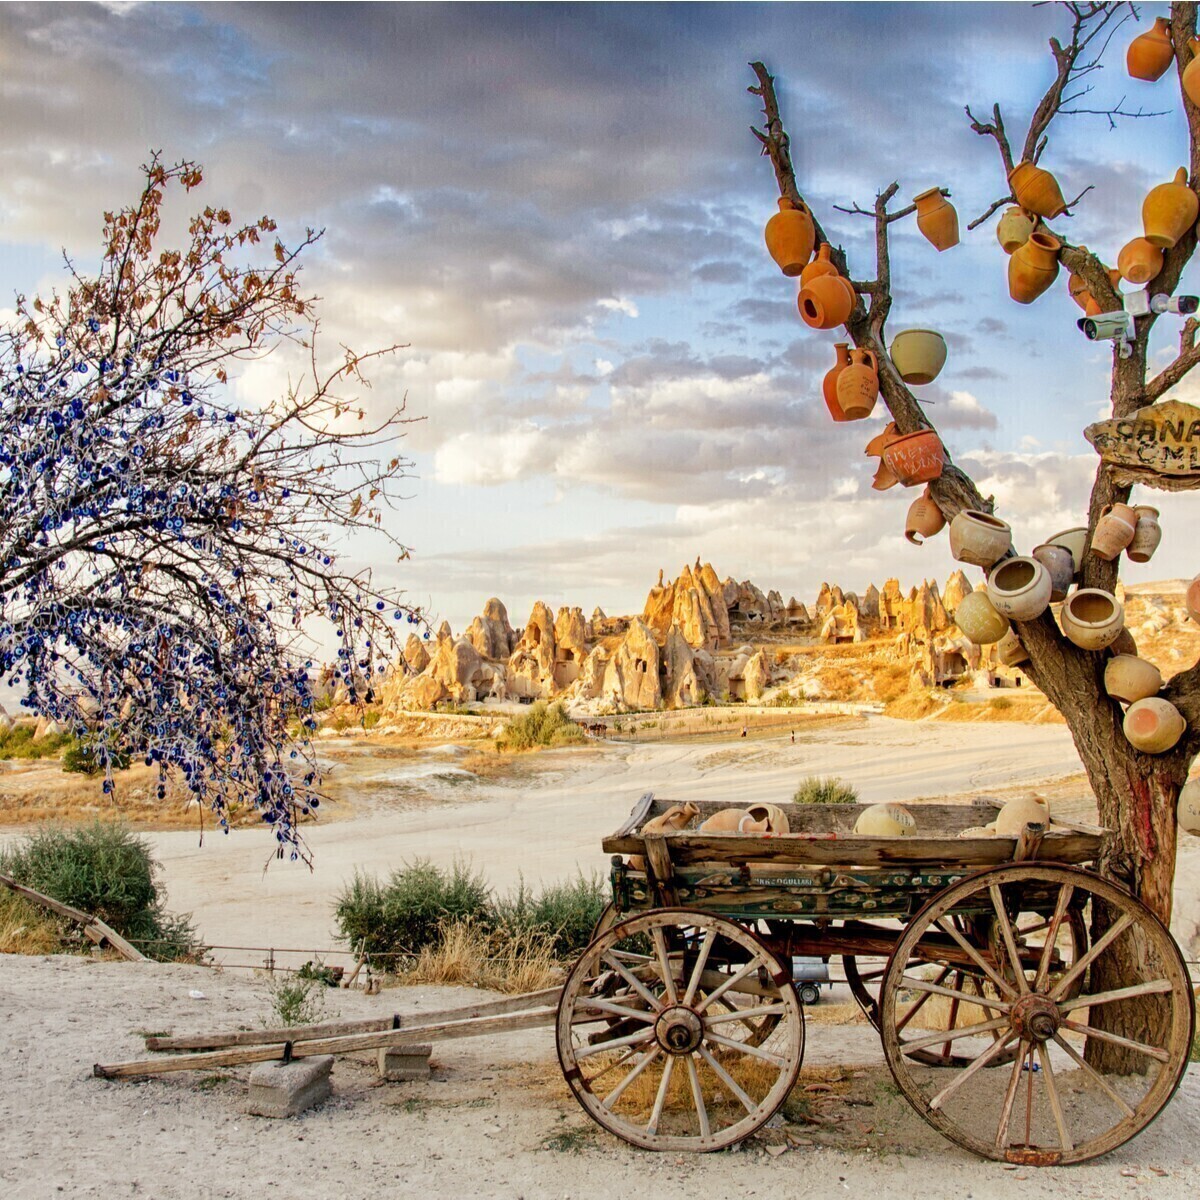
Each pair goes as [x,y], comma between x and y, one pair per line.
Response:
[829,386]
[1150,53]
[1191,73]
[1013,229]
[916,457]
[1169,211]
[790,235]
[819,266]
[1140,261]
[924,519]
[858,385]
[826,302]
[1033,267]
[936,219]
[1036,190]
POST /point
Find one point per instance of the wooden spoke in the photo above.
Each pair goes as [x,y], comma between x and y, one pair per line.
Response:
[727,1079]
[617,1092]
[608,1006]
[920,985]
[1060,910]
[718,992]
[634,982]
[661,1098]
[1111,934]
[953,1035]
[1116,1040]
[919,1004]
[1006,932]
[998,981]
[664,963]
[747,1014]
[978,1065]
[1094,1075]
[1010,1096]
[698,1097]
[1060,1120]
[698,970]
[631,1052]
[1151,988]
[747,1048]
[632,1039]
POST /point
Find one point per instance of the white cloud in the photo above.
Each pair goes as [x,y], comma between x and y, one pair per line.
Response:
[619,304]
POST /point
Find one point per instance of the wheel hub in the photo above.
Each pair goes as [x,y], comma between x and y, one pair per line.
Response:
[679,1030]
[1035,1017]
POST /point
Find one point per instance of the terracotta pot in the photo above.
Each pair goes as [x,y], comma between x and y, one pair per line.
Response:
[1092,619]
[924,519]
[1019,812]
[916,457]
[1129,678]
[1058,562]
[1014,228]
[884,478]
[936,219]
[1169,211]
[790,235]
[1139,261]
[918,355]
[1191,73]
[728,820]
[1010,651]
[1146,535]
[1078,289]
[1074,540]
[826,302]
[979,620]
[1114,531]
[1192,598]
[678,816]
[1037,191]
[979,538]
[858,385]
[771,816]
[1189,801]
[1033,267]
[821,265]
[1153,726]
[1124,644]
[1150,53]
[885,820]
[841,353]
[1020,588]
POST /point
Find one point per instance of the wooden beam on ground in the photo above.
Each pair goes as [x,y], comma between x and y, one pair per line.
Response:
[93,927]
[237,1056]
[298,1033]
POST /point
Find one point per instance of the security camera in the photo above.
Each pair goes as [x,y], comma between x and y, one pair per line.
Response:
[1183,305]
[1107,327]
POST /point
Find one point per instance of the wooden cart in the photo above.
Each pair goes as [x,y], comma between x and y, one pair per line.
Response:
[679,1028]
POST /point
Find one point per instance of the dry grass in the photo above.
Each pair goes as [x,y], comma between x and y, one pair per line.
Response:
[467,956]
[914,706]
[1028,709]
[25,928]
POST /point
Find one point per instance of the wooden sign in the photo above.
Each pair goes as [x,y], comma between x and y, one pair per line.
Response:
[1158,445]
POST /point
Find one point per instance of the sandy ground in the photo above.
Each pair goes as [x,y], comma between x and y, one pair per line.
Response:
[551,824]
[496,1120]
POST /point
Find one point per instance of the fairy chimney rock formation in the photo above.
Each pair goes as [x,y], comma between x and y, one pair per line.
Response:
[631,677]
[490,633]
[870,603]
[415,654]
[444,631]
[756,676]
[531,667]
[958,586]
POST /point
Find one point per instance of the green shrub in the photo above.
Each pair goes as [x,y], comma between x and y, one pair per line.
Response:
[82,759]
[19,742]
[564,913]
[109,873]
[295,1000]
[1000,703]
[542,725]
[817,790]
[405,914]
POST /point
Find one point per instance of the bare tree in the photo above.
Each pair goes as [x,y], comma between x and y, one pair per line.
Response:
[1136,793]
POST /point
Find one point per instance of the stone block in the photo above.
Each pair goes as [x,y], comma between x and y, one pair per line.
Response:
[279,1089]
[401,1064]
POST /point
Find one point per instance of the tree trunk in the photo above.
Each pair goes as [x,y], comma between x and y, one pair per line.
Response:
[1136,796]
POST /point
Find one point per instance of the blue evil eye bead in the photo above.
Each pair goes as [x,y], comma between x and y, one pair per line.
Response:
[379,605]
[60,340]
[94,325]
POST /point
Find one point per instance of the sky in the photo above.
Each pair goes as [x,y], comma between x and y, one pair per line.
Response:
[558,211]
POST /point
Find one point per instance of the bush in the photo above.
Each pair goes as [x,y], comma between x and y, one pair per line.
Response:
[19,742]
[543,725]
[295,1000]
[109,873]
[1000,703]
[563,913]
[406,913]
[80,758]
[816,790]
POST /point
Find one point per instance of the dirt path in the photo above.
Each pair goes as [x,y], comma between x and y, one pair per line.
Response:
[496,1120]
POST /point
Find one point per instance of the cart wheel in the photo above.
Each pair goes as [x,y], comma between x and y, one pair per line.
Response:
[809,994]
[681,1069]
[1052,1105]
[605,921]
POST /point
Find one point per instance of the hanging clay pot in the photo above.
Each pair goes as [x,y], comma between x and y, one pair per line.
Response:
[1139,261]
[924,519]
[1074,540]
[1033,267]
[1037,191]
[826,302]
[841,352]
[936,219]
[918,355]
[1123,644]
[1129,678]
[1192,598]
[885,820]
[821,265]
[1021,811]
[884,478]
[1153,726]
[1014,228]
[1150,53]
[1146,535]
[1092,619]
[1191,73]
[1019,588]
[790,235]
[1078,288]
[771,817]
[916,457]
[1188,811]
[858,385]
[979,538]
[979,619]
[1010,651]
[1114,531]
[1169,211]
[1058,562]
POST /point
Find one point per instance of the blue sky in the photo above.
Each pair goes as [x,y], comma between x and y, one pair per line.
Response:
[559,210]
